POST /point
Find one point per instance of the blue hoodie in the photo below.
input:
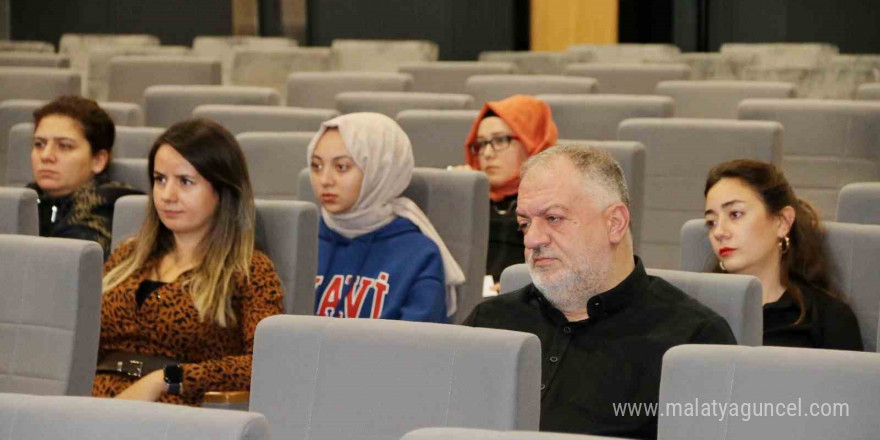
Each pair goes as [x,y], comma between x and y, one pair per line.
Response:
[396,272]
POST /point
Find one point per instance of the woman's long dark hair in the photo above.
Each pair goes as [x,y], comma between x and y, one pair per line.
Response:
[805,264]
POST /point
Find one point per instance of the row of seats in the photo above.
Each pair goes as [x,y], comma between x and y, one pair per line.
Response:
[827,145]
[322,378]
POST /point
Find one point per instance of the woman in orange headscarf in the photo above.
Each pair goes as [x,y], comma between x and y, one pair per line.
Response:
[504,135]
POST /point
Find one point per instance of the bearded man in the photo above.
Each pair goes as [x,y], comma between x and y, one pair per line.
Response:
[604,324]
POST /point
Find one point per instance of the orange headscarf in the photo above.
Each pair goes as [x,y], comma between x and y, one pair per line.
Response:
[531,122]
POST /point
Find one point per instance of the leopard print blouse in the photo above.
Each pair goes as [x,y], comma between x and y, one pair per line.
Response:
[167,324]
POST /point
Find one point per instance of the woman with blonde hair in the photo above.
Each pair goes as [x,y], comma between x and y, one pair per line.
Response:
[183,298]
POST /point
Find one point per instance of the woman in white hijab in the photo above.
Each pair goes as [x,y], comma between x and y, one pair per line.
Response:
[378,256]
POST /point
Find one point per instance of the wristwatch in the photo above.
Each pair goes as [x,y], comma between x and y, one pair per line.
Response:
[174,378]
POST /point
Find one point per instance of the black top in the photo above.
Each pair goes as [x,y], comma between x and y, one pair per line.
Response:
[85,214]
[505,240]
[614,356]
[828,323]
[145,288]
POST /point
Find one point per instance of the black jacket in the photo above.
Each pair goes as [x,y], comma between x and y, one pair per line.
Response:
[85,214]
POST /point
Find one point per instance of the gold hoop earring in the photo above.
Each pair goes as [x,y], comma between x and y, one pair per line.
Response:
[784,244]
[721,265]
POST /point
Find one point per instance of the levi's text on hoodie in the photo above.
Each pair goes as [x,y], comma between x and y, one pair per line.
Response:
[394,272]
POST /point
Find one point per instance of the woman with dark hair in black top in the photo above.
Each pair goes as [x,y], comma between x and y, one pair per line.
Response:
[758,227]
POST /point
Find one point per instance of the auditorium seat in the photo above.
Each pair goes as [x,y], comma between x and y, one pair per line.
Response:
[597,116]
[450,76]
[629,79]
[628,52]
[497,87]
[678,155]
[437,136]
[719,99]
[532,62]
[287,231]
[736,298]
[631,157]
[270,67]
[791,378]
[321,378]
[167,105]
[50,308]
[244,118]
[129,77]
[223,48]
[274,159]
[38,83]
[859,203]
[457,203]
[18,211]
[26,46]
[392,103]
[319,90]
[827,144]
[97,73]
[868,92]
[33,59]
[132,172]
[24,417]
[380,55]
[851,250]
[135,142]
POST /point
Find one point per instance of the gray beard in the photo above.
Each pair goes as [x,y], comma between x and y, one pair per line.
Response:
[570,292]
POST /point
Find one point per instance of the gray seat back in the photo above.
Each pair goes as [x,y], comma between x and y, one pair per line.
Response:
[678,157]
[380,55]
[827,144]
[457,203]
[243,118]
[132,172]
[135,142]
[18,211]
[385,378]
[497,87]
[43,83]
[851,249]
[33,417]
[800,384]
[719,99]
[437,136]
[629,78]
[319,89]
[859,203]
[273,160]
[287,232]
[736,298]
[167,105]
[868,92]
[50,308]
[392,103]
[597,116]
[450,76]
[128,77]
[631,157]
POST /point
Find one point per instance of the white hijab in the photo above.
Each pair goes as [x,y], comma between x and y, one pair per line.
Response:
[383,152]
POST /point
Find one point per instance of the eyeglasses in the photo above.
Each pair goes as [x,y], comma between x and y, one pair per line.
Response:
[499,143]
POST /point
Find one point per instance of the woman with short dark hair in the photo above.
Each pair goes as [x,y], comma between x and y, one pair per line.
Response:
[73,140]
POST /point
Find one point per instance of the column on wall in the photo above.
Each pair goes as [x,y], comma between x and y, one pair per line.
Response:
[557,24]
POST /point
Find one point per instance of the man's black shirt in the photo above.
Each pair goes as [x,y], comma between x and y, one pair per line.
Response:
[613,357]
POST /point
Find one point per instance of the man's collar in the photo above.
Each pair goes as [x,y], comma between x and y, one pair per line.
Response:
[607,303]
